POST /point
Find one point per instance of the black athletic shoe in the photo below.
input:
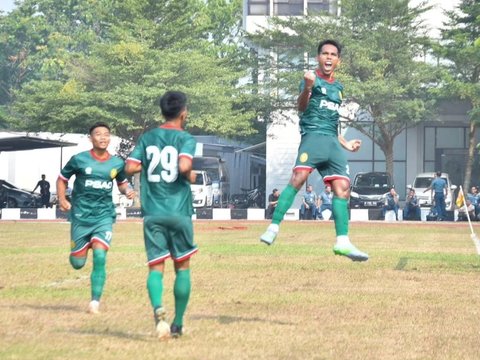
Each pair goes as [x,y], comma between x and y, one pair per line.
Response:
[175,331]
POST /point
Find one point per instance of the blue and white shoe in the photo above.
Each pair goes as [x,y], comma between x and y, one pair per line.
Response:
[270,235]
[351,252]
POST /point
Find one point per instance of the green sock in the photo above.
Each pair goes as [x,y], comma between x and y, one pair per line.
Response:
[340,215]
[155,288]
[97,278]
[284,202]
[181,291]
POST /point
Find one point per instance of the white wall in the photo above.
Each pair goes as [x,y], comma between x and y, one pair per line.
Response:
[24,168]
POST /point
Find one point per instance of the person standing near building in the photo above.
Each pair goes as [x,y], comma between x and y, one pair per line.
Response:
[439,190]
[92,211]
[326,197]
[164,158]
[44,191]
[309,203]
[321,148]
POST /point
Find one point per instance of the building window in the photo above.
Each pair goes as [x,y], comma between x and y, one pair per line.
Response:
[315,6]
[287,7]
[258,7]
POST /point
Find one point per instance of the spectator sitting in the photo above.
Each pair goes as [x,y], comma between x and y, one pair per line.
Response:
[308,209]
[272,202]
[326,202]
[474,197]
[462,215]
[391,203]
[411,211]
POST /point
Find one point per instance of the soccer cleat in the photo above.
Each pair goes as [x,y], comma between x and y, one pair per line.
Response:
[270,235]
[176,331]
[94,307]
[351,252]
[161,326]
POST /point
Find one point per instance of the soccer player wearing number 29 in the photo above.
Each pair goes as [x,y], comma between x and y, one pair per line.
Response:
[164,158]
[92,211]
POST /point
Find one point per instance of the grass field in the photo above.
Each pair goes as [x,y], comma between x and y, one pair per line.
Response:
[417,297]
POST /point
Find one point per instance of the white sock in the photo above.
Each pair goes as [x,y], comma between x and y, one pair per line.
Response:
[273,228]
[343,241]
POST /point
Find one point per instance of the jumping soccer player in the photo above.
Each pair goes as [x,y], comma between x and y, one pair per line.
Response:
[164,157]
[92,211]
[321,148]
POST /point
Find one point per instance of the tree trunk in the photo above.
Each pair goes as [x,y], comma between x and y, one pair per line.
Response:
[471,154]
[388,151]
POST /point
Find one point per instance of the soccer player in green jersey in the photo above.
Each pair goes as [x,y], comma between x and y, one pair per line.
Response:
[321,148]
[92,211]
[164,158]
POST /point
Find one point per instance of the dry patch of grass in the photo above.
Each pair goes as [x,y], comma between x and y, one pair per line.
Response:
[416,298]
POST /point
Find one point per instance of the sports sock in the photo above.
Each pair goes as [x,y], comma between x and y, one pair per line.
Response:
[155,288]
[284,202]
[340,215]
[98,275]
[181,291]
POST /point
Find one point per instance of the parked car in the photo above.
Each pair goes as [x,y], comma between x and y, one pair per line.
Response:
[13,197]
[423,181]
[369,190]
[202,192]
[216,169]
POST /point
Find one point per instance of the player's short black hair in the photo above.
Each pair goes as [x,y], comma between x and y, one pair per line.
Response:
[172,103]
[330,42]
[98,124]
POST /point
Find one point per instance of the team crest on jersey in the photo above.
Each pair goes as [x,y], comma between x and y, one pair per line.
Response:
[113,173]
[72,244]
[88,170]
[303,157]
[324,91]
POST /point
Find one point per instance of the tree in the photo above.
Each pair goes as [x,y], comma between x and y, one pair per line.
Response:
[112,60]
[381,69]
[460,45]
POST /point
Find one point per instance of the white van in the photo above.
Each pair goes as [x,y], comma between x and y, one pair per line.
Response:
[423,181]
[202,192]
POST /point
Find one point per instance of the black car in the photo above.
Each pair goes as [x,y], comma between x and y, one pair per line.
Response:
[369,190]
[13,197]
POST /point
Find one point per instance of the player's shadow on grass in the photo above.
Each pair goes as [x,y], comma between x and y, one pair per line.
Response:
[113,333]
[224,319]
[59,308]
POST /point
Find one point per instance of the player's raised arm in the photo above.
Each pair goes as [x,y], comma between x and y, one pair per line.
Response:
[304,97]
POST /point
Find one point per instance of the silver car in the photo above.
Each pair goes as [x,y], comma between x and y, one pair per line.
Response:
[423,181]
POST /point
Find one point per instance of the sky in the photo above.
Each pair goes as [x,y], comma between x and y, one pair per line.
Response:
[6,5]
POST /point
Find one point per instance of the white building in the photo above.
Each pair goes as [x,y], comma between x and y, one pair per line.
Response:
[440,144]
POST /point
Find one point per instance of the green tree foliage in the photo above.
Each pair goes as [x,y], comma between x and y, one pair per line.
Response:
[111,61]
[460,46]
[381,69]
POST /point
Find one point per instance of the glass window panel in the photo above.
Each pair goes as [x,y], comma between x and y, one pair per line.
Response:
[258,7]
[429,145]
[400,147]
[429,166]
[359,166]
[288,7]
[449,138]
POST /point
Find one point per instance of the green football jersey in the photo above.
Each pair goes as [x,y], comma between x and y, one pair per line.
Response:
[164,192]
[92,189]
[321,115]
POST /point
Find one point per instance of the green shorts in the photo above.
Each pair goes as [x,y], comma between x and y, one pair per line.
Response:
[168,236]
[83,236]
[324,153]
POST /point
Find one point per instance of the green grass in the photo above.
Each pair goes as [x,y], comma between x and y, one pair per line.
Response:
[416,298]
